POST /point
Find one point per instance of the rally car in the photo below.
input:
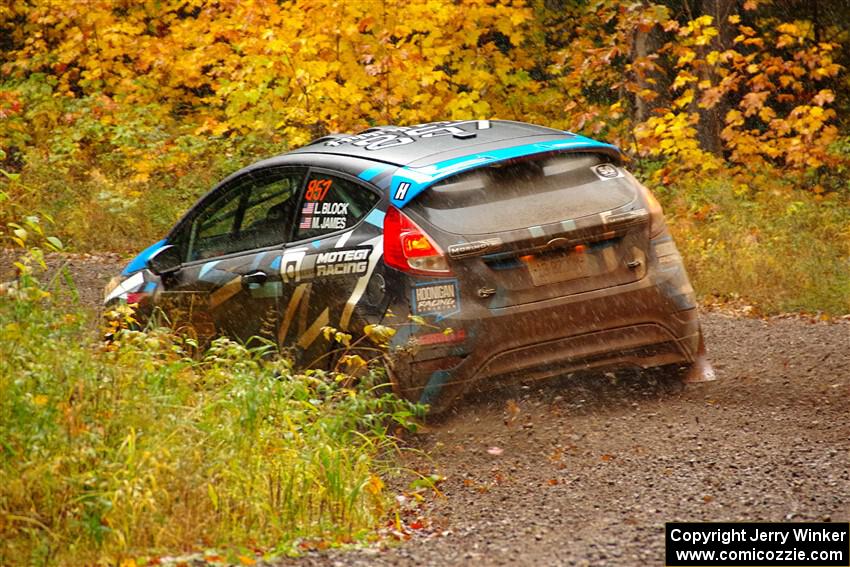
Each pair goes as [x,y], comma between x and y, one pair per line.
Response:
[495,248]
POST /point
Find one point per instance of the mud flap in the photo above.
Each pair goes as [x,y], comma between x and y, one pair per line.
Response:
[439,392]
[701,370]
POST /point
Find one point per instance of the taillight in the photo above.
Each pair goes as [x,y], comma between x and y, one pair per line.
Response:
[656,215]
[408,248]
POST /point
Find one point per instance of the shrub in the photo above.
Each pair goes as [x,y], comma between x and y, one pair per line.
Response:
[145,446]
[779,248]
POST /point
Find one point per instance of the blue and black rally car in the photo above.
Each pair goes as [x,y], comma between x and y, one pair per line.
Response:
[534,245]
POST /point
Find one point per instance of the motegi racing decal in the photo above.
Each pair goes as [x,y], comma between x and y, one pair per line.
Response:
[436,298]
[343,262]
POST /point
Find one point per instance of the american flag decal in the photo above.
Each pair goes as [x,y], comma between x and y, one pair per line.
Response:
[306,222]
[309,209]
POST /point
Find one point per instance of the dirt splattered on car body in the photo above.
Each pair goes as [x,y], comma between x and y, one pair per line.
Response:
[497,248]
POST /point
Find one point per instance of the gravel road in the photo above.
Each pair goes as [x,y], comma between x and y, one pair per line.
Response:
[586,470]
[90,272]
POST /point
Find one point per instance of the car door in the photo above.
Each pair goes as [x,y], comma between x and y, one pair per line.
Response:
[231,245]
[327,269]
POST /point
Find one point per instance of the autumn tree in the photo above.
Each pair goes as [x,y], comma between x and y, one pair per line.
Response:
[122,94]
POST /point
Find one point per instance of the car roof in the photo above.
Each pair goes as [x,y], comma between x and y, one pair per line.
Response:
[412,158]
[427,143]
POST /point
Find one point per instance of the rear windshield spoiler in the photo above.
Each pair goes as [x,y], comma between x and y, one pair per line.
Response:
[408,182]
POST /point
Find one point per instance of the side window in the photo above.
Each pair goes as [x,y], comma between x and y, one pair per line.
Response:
[254,212]
[269,209]
[330,204]
[218,221]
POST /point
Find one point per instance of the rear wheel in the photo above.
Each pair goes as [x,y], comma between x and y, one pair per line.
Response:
[440,392]
[699,370]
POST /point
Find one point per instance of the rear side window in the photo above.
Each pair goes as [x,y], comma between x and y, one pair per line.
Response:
[523,194]
[331,203]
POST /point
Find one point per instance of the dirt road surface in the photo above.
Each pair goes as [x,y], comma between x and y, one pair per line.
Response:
[585,471]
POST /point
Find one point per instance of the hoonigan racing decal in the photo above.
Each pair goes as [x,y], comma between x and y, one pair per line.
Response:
[436,298]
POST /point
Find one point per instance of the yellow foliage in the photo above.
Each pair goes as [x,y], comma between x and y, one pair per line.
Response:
[141,85]
[264,64]
[379,334]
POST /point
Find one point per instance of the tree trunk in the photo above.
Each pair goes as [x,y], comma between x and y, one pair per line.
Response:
[711,120]
[646,43]
[639,52]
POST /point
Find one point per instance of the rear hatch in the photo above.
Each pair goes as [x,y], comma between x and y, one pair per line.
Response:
[534,229]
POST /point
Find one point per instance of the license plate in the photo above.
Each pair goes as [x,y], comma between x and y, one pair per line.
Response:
[561,267]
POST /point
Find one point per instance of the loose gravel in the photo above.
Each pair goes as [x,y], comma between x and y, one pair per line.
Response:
[586,471]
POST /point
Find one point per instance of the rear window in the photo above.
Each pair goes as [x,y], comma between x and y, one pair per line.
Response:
[525,193]
[331,204]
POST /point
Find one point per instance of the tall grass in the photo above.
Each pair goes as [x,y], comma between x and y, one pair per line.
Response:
[144,446]
[779,248]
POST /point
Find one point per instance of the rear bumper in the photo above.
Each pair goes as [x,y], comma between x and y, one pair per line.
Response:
[644,345]
[647,323]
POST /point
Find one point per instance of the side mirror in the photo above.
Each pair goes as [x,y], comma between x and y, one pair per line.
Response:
[164,261]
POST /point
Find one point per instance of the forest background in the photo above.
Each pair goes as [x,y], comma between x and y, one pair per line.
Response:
[115,115]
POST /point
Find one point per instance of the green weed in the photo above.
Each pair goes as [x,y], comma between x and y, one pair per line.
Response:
[108,453]
[782,249]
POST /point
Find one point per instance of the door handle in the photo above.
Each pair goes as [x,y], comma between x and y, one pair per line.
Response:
[255,278]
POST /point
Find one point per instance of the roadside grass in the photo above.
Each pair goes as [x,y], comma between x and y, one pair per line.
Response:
[100,212]
[120,452]
[779,248]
